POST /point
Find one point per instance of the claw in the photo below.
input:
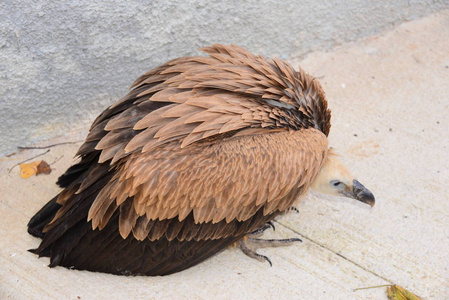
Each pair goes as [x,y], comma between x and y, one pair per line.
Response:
[255,243]
[259,231]
[266,258]
[253,254]
[293,208]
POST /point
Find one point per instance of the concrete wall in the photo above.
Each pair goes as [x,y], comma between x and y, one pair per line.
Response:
[63,62]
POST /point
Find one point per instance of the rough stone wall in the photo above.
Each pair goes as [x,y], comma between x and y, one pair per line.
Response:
[63,62]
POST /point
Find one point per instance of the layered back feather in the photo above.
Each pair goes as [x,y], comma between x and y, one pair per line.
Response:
[193,98]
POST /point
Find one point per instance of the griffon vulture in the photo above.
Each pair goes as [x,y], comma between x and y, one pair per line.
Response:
[202,152]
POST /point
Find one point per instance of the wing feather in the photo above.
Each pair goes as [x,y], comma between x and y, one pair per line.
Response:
[242,178]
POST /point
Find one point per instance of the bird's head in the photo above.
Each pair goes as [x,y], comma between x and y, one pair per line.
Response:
[335,179]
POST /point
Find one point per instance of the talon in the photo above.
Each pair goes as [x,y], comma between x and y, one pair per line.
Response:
[253,254]
[294,209]
[272,225]
[260,230]
[267,259]
[250,246]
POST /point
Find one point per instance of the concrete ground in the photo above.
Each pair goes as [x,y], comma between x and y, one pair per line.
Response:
[390,100]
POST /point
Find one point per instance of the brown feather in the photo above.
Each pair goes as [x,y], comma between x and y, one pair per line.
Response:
[235,164]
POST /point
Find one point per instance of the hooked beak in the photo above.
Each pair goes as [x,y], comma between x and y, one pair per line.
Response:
[361,193]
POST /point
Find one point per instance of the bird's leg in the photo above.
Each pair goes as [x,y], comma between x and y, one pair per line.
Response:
[252,243]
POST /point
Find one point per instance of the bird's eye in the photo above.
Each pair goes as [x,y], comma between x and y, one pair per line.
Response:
[336,183]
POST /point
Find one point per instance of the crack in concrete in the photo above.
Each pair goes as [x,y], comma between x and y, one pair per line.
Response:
[336,253]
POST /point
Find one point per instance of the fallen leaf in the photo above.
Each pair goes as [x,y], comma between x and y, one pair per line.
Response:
[27,170]
[395,292]
[43,167]
[36,167]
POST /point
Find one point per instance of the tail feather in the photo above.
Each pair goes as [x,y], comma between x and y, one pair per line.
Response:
[105,250]
[85,249]
[78,170]
[42,218]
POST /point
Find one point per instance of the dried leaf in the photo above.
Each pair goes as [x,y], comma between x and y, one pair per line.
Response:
[395,292]
[36,167]
[43,167]
[27,170]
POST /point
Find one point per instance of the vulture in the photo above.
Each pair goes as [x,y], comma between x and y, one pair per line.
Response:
[202,153]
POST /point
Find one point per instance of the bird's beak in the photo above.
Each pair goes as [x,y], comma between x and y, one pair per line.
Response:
[361,193]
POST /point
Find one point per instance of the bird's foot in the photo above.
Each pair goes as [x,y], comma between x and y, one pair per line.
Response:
[252,244]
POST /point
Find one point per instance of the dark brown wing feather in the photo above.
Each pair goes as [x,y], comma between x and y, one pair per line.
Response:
[201,152]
